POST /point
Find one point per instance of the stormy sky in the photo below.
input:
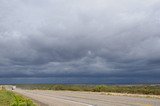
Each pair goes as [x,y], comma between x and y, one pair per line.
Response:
[97,39]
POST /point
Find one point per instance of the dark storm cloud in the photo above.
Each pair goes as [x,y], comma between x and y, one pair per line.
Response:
[99,38]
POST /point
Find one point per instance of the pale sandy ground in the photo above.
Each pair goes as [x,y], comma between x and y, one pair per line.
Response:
[131,95]
[70,98]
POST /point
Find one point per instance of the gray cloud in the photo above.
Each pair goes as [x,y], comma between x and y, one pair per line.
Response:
[92,38]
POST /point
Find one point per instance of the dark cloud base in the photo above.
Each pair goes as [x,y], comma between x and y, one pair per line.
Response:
[79,80]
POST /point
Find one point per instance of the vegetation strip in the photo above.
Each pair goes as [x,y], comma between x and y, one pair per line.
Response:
[141,89]
[8,98]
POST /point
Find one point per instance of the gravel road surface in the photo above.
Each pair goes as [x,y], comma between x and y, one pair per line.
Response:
[70,98]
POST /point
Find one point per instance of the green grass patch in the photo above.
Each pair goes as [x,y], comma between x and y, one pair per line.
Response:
[8,98]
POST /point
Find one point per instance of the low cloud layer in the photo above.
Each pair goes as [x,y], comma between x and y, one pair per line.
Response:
[82,38]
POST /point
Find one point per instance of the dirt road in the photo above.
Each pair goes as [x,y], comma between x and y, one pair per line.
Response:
[69,98]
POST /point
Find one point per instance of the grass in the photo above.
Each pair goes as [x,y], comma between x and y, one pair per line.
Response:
[8,98]
[141,89]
